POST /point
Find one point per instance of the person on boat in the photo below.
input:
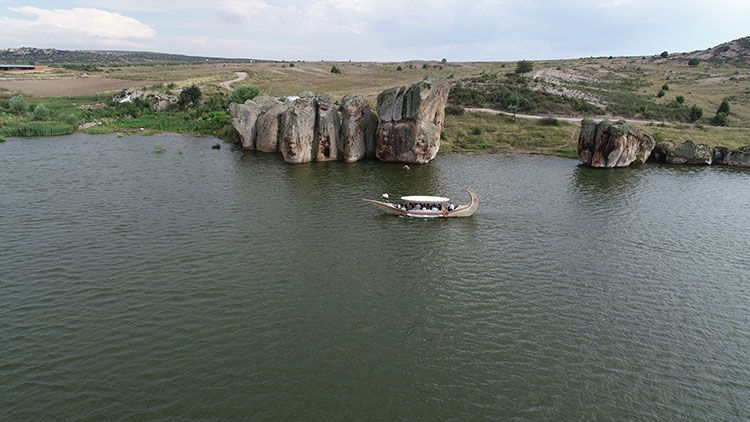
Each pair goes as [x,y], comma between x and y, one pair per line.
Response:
[417,207]
[451,207]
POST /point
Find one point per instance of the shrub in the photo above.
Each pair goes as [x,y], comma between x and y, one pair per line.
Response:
[658,137]
[524,66]
[171,85]
[243,93]
[399,68]
[664,54]
[660,94]
[696,113]
[665,87]
[424,66]
[454,110]
[190,96]
[721,119]
[335,70]
[158,147]
[2,138]
[41,112]
[549,121]
[18,104]
[680,99]
[444,60]
[291,64]
[694,62]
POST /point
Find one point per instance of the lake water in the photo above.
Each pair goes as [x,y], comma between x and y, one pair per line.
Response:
[202,284]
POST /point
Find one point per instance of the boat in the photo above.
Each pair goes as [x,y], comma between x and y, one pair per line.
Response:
[428,206]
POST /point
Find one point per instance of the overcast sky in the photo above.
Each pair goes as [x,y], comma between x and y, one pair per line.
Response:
[377,30]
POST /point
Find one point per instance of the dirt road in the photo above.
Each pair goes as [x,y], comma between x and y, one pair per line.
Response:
[573,119]
[241,76]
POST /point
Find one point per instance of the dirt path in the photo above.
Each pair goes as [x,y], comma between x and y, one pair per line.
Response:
[241,76]
[573,119]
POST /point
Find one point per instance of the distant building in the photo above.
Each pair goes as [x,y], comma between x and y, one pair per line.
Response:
[7,67]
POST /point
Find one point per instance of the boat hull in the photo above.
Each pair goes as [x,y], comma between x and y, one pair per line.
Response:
[461,211]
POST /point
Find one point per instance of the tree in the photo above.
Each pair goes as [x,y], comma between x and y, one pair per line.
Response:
[680,99]
[696,113]
[721,119]
[399,68]
[243,93]
[694,62]
[41,112]
[724,107]
[18,104]
[190,96]
[335,70]
[660,94]
[664,54]
[665,87]
[524,66]
[444,60]
[514,104]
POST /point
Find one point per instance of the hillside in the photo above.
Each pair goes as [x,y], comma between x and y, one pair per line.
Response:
[29,55]
[733,51]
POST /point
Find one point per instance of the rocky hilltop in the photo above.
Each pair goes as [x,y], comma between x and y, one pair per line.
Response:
[314,128]
[737,50]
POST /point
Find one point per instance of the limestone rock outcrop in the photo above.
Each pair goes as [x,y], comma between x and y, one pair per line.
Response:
[297,129]
[244,118]
[739,157]
[609,145]
[411,119]
[311,128]
[358,128]
[267,127]
[327,146]
[687,152]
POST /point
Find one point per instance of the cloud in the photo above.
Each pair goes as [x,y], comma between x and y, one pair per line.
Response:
[74,27]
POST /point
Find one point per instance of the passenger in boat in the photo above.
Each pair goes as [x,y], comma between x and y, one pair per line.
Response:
[451,207]
[416,207]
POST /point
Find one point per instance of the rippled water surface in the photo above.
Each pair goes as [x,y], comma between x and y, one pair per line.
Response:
[202,284]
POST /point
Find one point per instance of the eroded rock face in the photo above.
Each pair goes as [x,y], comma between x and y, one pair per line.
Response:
[739,157]
[267,127]
[328,144]
[245,116]
[609,145]
[411,119]
[358,127]
[297,129]
[687,152]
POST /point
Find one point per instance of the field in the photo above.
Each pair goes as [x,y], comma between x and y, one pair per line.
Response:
[655,93]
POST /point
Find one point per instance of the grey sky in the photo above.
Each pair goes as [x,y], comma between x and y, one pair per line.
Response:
[378,30]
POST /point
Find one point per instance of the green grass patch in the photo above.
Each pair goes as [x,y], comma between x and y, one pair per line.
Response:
[38,129]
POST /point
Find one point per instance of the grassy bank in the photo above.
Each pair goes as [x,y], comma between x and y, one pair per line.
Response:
[485,132]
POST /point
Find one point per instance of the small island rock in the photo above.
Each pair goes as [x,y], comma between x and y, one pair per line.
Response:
[609,145]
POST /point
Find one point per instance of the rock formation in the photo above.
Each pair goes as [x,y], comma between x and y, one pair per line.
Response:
[297,129]
[327,146]
[157,100]
[608,144]
[311,129]
[687,152]
[245,116]
[267,127]
[739,157]
[411,119]
[358,128]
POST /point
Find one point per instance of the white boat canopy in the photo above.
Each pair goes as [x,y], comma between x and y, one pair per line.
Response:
[425,199]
